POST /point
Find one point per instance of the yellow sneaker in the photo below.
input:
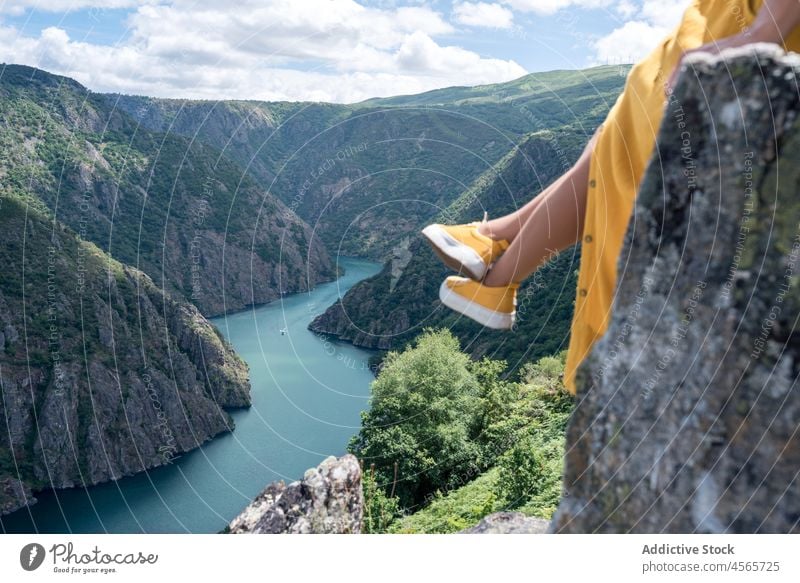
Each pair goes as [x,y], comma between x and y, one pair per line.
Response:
[463,248]
[494,307]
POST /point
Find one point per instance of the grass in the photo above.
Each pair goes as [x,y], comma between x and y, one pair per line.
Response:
[456,510]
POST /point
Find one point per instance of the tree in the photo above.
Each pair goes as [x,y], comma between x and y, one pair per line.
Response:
[424,412]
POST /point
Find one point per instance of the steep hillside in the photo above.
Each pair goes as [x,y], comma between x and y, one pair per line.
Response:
[102,373]
[389,309]
[179,210]
[366,175]
[260,136]
[358,177]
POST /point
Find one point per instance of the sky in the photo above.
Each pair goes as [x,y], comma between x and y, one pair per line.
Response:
[322,50]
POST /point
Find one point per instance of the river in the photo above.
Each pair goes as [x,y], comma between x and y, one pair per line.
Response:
[307,393]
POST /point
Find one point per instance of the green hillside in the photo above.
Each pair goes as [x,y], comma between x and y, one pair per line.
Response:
[390,309]
[102,374]
[158,201]
[366,175]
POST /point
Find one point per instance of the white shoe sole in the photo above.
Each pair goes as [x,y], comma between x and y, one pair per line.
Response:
[457,256]
[484,316]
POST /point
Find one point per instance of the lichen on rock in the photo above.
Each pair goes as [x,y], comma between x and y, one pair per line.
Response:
[509,523]
[328,500]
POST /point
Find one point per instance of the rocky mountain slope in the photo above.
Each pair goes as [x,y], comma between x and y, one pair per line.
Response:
[389,309]
[176,208]
[366,175]
[102,373]
[687,409]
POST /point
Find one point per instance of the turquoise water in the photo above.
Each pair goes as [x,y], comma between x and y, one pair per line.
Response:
[307,395]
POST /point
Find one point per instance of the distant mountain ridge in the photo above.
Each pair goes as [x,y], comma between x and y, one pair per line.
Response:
[529,89]
[368,174]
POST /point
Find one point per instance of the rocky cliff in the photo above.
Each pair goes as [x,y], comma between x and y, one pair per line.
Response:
[328,500]
[102,374]
[176,208]
[687,415]
[509,523]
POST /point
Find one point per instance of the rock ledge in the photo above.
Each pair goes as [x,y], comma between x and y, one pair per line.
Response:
[328,500]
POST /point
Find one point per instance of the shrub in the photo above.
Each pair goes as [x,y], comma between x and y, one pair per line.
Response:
[380,510]
[424,412]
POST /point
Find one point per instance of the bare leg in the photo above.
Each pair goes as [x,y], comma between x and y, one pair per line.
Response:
[508,227]
[552,225]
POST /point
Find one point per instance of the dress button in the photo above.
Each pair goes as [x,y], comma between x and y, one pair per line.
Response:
[592,183]
[587,239]
[582,292]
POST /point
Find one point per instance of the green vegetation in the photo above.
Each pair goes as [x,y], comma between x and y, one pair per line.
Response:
[380,509]
[455,510]
[448,441]
[152,200]
[424,415]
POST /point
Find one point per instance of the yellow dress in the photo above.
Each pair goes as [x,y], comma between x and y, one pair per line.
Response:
[624,146]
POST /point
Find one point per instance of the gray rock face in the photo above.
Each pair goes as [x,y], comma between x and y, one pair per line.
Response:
[14,494]
[509,523]
[688,407]
[103,374]
[328,500]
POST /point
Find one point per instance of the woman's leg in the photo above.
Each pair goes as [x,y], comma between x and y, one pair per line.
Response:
[551,225]
[508,227]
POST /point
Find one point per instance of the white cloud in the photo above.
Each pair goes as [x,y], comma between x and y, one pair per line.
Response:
[419,53]
[661,13]
[644,23]
[649,22]
[553,6]
[626,8]
[628,43]
[483,14]
[321,50]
